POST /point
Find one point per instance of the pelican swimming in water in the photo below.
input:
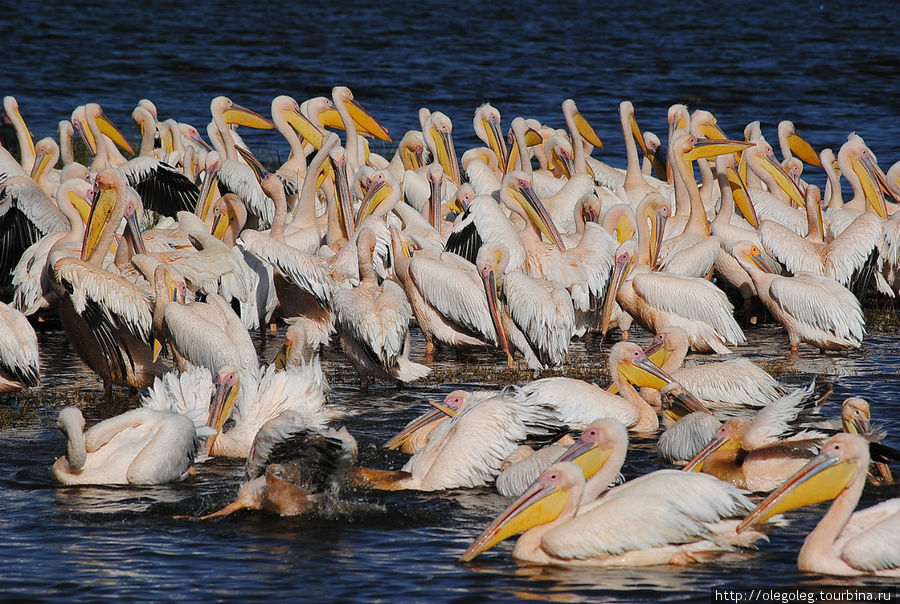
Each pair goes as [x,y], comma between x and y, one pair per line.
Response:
[833,322]
[757,454]
[659,518]
[139,447]
[855,419]
[292,468]
[844,543]
[19,365]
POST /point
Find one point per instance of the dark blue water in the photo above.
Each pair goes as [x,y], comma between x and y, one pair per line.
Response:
[829,68]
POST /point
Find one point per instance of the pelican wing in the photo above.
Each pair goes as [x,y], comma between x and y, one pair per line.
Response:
[820,301]
[26,215]
[848,252]
[309,273]
[162,188]
[694,299]
[871,539]
[18,347]
[796,253]
[185,392]
[731,383]
[578,402]
[464,239]
[267,393]
[454,293]
[124,303]
[543,312]
[685,438]
[238,178]
[779,422]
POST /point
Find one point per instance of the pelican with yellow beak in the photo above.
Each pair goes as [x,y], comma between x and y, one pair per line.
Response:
[844,543]
[659,518]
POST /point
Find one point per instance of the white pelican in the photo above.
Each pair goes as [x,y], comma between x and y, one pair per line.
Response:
[635,186]
[45,172]
[139,447]
[658,299]
[659,518]
[438,133]
[373,322]
[236,176]
[813,309]
[757,454]
[469,449]
[730,383]
[790,143]
[841,258]
[843,543]
[19,365]
[536,316]
[292,468]
[487,127]
[23,136]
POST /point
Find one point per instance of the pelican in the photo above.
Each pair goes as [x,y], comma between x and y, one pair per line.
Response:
[23,136]
[659,518]
[468,450]
[700,308]
[790,142]
[843,543]
[416,434]
[292,468]
[139,447]
[19,366]
[731,383]
[373,321]
[758,454]
[841,258]
[855,419]
[833,322]
[487,127]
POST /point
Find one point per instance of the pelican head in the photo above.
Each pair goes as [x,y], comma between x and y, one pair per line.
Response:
[451,404]
[287,108]
[544,501]
[487,126]
[439,137]
[295,350]
[748,254]
[381,187]
[236,114]
[365,123]
[95,112]
[854,156]
[727,438]
[227,387]
[227,210]
[519,196]
[625,257]
[628,363]
[840,460]
[796,143]
[761,160]
[855,415]
[595,445]
[71,423]
[666,342]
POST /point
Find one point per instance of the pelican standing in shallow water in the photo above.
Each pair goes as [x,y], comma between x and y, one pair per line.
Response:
[843,543]
[139,447]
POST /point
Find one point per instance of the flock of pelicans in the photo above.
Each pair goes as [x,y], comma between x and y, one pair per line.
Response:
[158,267]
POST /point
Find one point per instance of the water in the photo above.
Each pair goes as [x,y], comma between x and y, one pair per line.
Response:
[830,69]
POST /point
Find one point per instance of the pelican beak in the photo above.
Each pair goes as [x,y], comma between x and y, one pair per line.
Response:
[624,229]
[304,127]
[258,170]
[783,179]
[445,409]
[721,439]
[865,170]
[134,229]
[682,401]
[110,130]
[104,202]
[706,148]
[28,137]
[375,194]
[587,132]
[538,505]
[588,455]
[642,372]
[803,150]
[741,196]
[822,479]
[204,200]
[365,123]
[245,117]
[756,258]
[882,180]
[620,272]
[220,225]
[538,213]
[37,168]
[493,300]
[411,158]
[345,203]
[432,416]
[659,231]
[81,204]
[495,141]
[86,136]
[446,154]
[657,352]
[280,360]
[223,403]
[199,140]
[637,134]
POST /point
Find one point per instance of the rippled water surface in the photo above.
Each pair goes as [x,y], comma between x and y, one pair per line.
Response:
[829,69]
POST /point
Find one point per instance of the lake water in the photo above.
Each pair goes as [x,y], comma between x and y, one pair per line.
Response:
[830,69]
